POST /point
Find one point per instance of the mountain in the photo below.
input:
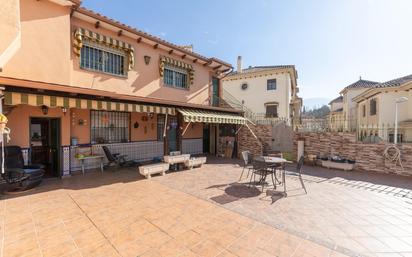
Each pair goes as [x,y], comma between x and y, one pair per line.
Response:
[315,102]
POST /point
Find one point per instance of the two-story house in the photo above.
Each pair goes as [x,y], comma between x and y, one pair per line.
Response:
[349,106]
[264,91]
[336,119]
[78,78]
[376,109]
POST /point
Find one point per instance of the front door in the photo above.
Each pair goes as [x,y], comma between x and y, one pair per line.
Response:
[206,138]
[172,130]
[45,144]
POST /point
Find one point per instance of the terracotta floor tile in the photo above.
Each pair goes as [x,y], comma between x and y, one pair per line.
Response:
[207,248]
[21,247]
[59,249]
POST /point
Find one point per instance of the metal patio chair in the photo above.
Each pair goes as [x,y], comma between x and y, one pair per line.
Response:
[116,158]
[298,172]
[247,163]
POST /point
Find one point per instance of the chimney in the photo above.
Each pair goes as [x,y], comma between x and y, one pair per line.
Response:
[239,64]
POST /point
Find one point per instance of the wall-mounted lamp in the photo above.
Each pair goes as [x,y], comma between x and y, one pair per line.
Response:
[147,59]
[44,109]
[150,115]
[64,110]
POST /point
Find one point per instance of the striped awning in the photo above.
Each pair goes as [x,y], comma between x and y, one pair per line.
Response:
[15,98]
[211,117]
[81,33]
[164,60]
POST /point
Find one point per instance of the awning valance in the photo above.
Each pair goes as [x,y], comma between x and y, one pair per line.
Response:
[211,117]
[80,34]
[164,60]
[15,98]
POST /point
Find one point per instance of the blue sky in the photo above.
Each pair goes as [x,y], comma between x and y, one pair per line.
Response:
[331,43]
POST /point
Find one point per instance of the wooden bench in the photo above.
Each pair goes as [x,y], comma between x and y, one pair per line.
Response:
[195,162]
[157,168]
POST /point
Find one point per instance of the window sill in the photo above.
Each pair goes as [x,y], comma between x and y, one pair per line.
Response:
[107,73]
[180,88]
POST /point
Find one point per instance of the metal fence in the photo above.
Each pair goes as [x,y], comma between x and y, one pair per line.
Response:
[365,131]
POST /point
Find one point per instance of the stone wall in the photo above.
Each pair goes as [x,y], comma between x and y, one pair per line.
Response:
[247,142]
[368,156]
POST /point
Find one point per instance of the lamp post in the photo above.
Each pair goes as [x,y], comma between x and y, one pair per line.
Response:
[397,101]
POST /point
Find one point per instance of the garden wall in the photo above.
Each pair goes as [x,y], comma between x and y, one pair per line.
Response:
[368,156]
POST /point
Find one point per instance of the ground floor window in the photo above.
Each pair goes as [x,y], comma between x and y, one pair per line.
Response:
[160,126]
[271,110]
[109,127]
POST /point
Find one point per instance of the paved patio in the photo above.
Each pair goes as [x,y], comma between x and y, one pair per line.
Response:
[206,212]
[119,214]
[353,212]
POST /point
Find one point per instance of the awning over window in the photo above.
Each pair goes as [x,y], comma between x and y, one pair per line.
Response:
[179,64]
[80,34]
[211,117]
[15,98]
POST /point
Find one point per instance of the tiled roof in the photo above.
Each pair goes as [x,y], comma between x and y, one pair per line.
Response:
[395,82]
[361,83]
[338,99]
[252,69]
[141,33]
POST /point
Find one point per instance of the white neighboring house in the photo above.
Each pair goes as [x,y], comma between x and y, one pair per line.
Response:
[264,91]
[349,112]
[376,110]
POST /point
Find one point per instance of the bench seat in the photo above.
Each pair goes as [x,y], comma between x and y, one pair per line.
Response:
[195,162]
[157,168]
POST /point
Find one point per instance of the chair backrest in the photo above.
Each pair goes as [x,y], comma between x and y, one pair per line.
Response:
[259,163]
[13,157]
[245,157]
[300,164]
[108,154]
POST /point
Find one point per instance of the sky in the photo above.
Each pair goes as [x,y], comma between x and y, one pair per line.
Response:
[331,42]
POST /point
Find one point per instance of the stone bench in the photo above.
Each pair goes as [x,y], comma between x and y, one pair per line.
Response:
[174,159]
[195,162]
[157,168]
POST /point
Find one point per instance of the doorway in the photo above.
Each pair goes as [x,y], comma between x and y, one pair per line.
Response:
[45,144]
[206,138]
[172,125]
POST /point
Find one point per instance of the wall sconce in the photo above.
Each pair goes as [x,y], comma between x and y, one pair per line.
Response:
[64,110]
[147,59]
[44,109]
[150,115]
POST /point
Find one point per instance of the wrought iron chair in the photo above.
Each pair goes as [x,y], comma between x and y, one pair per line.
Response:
[247,163]
[116,158]
[262,169]
[298,172]
[19,176]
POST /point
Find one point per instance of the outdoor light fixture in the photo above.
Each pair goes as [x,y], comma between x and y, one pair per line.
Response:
[44,109]
[147,59]
[398,101]
[150,115]
[64,110]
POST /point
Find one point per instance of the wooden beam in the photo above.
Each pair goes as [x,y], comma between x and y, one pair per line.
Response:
[156,46]
[217,67]
[139,39]
[207,63]
[170,51]
[195,60]
[183,56]
[97,24]
[119,33]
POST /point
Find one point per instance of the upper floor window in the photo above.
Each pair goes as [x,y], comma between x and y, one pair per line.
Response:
[373,107]
[99,58]
[271,84]
[363,110]
[271,110]
[176,77]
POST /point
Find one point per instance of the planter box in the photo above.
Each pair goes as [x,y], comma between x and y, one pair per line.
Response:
[338,165]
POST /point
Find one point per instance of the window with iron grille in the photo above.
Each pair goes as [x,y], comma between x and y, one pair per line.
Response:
[271,84]
[160,126]
[103,59]
[271,111]
[109,127]
[373,107]
[175,77]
